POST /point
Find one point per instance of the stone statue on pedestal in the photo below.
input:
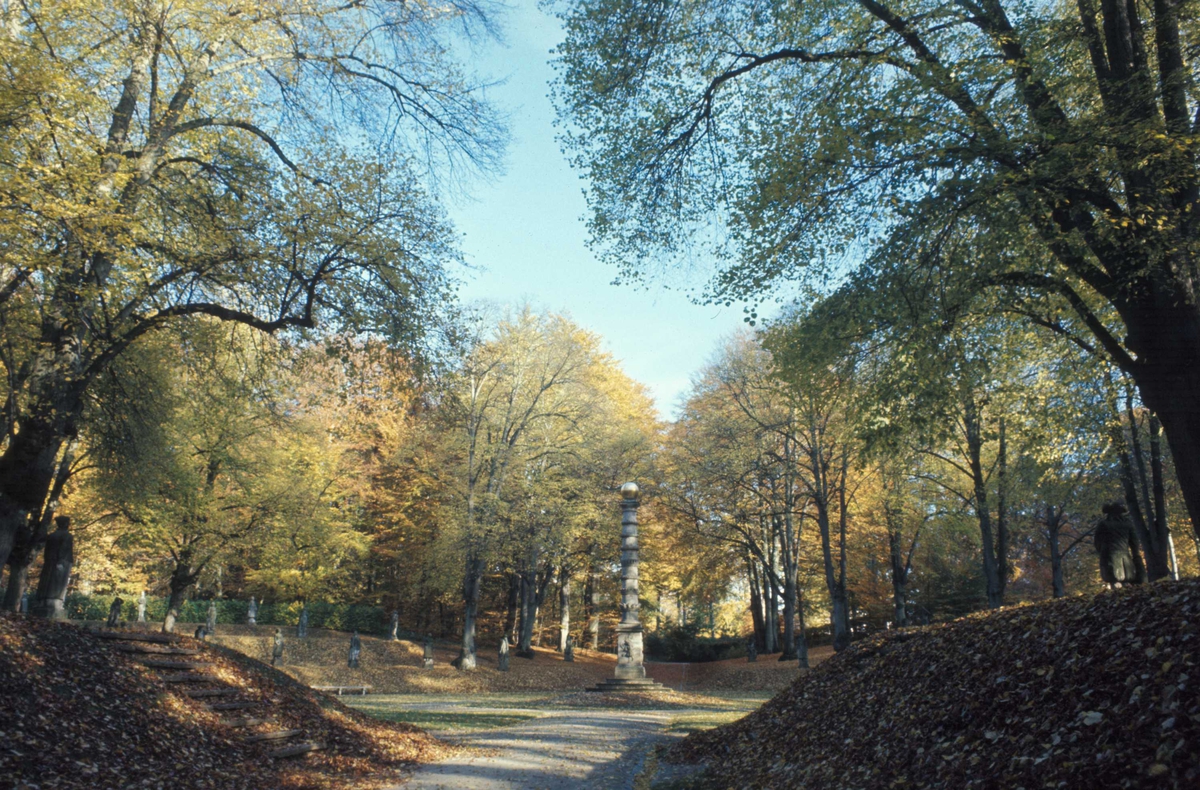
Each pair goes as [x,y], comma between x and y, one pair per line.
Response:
[277,648]
[427,661]
[502,659]
[141,608]
[252,612]
[394,628]
[302,626]
[355,651]
[210,624]
[569,652]
[58,558]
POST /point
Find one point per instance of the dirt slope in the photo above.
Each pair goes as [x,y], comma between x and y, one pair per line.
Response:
[75,712]
[1080,693]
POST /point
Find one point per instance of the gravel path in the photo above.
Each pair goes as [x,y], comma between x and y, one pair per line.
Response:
[561,750]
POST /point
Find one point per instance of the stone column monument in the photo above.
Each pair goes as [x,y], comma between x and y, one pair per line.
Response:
[629,629]
[631,672]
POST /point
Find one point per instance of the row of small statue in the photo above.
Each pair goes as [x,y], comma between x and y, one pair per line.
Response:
[426,661]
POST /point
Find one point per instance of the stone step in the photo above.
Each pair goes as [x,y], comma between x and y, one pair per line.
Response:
[186,677]
[240,705]
[210,692]
[162,663]
[245,721]
[144,648]
[295,751]
[281,735]
[137,636]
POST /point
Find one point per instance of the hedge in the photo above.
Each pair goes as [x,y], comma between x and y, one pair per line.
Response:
[337,616]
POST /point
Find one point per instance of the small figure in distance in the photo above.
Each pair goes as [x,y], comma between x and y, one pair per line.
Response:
[1116,543]
[427,660]
[751,650]
[569,652]
[502,664]
[355,650]
[277,649]
[114,613]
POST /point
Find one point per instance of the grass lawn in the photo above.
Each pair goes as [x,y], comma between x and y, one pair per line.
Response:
[458,712]
[459,718]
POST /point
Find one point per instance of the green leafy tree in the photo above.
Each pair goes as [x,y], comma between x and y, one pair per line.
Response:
[263,162]
[790,138]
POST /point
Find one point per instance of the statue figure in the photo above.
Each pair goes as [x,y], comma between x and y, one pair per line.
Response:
[142,608]
[210,625]
[751,650]
[252,612]
[355,650]
[58,558]
[302,626]
[502,660]
[25,599]
[395,627]
[1116,543]
[427,661]
[569,651]
[201,633]
[114,613]
[277,649]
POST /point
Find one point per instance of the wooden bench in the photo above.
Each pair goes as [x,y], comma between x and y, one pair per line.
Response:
[340,690]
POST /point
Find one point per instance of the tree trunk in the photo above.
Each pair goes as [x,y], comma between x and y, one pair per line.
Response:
[510,613]
[538,599]
[174,602]
[756,605]
[771,615]
[991,566]
[564,609]
[472,580]
[1165,340]
[18,583]
[899,568]
[1002,568]
[802,640]
[182,577]
[1054,522]
[789,590]
[591,596]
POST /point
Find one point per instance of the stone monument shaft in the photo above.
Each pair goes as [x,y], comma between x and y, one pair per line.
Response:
[629,630]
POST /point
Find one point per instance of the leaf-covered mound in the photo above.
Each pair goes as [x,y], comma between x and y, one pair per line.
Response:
[76,713]
[1096,692]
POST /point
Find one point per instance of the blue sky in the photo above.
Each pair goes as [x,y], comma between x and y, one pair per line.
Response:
[524,232]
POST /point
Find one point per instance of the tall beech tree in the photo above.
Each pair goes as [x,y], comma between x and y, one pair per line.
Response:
[508,416]
[786,137]
[256,161]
